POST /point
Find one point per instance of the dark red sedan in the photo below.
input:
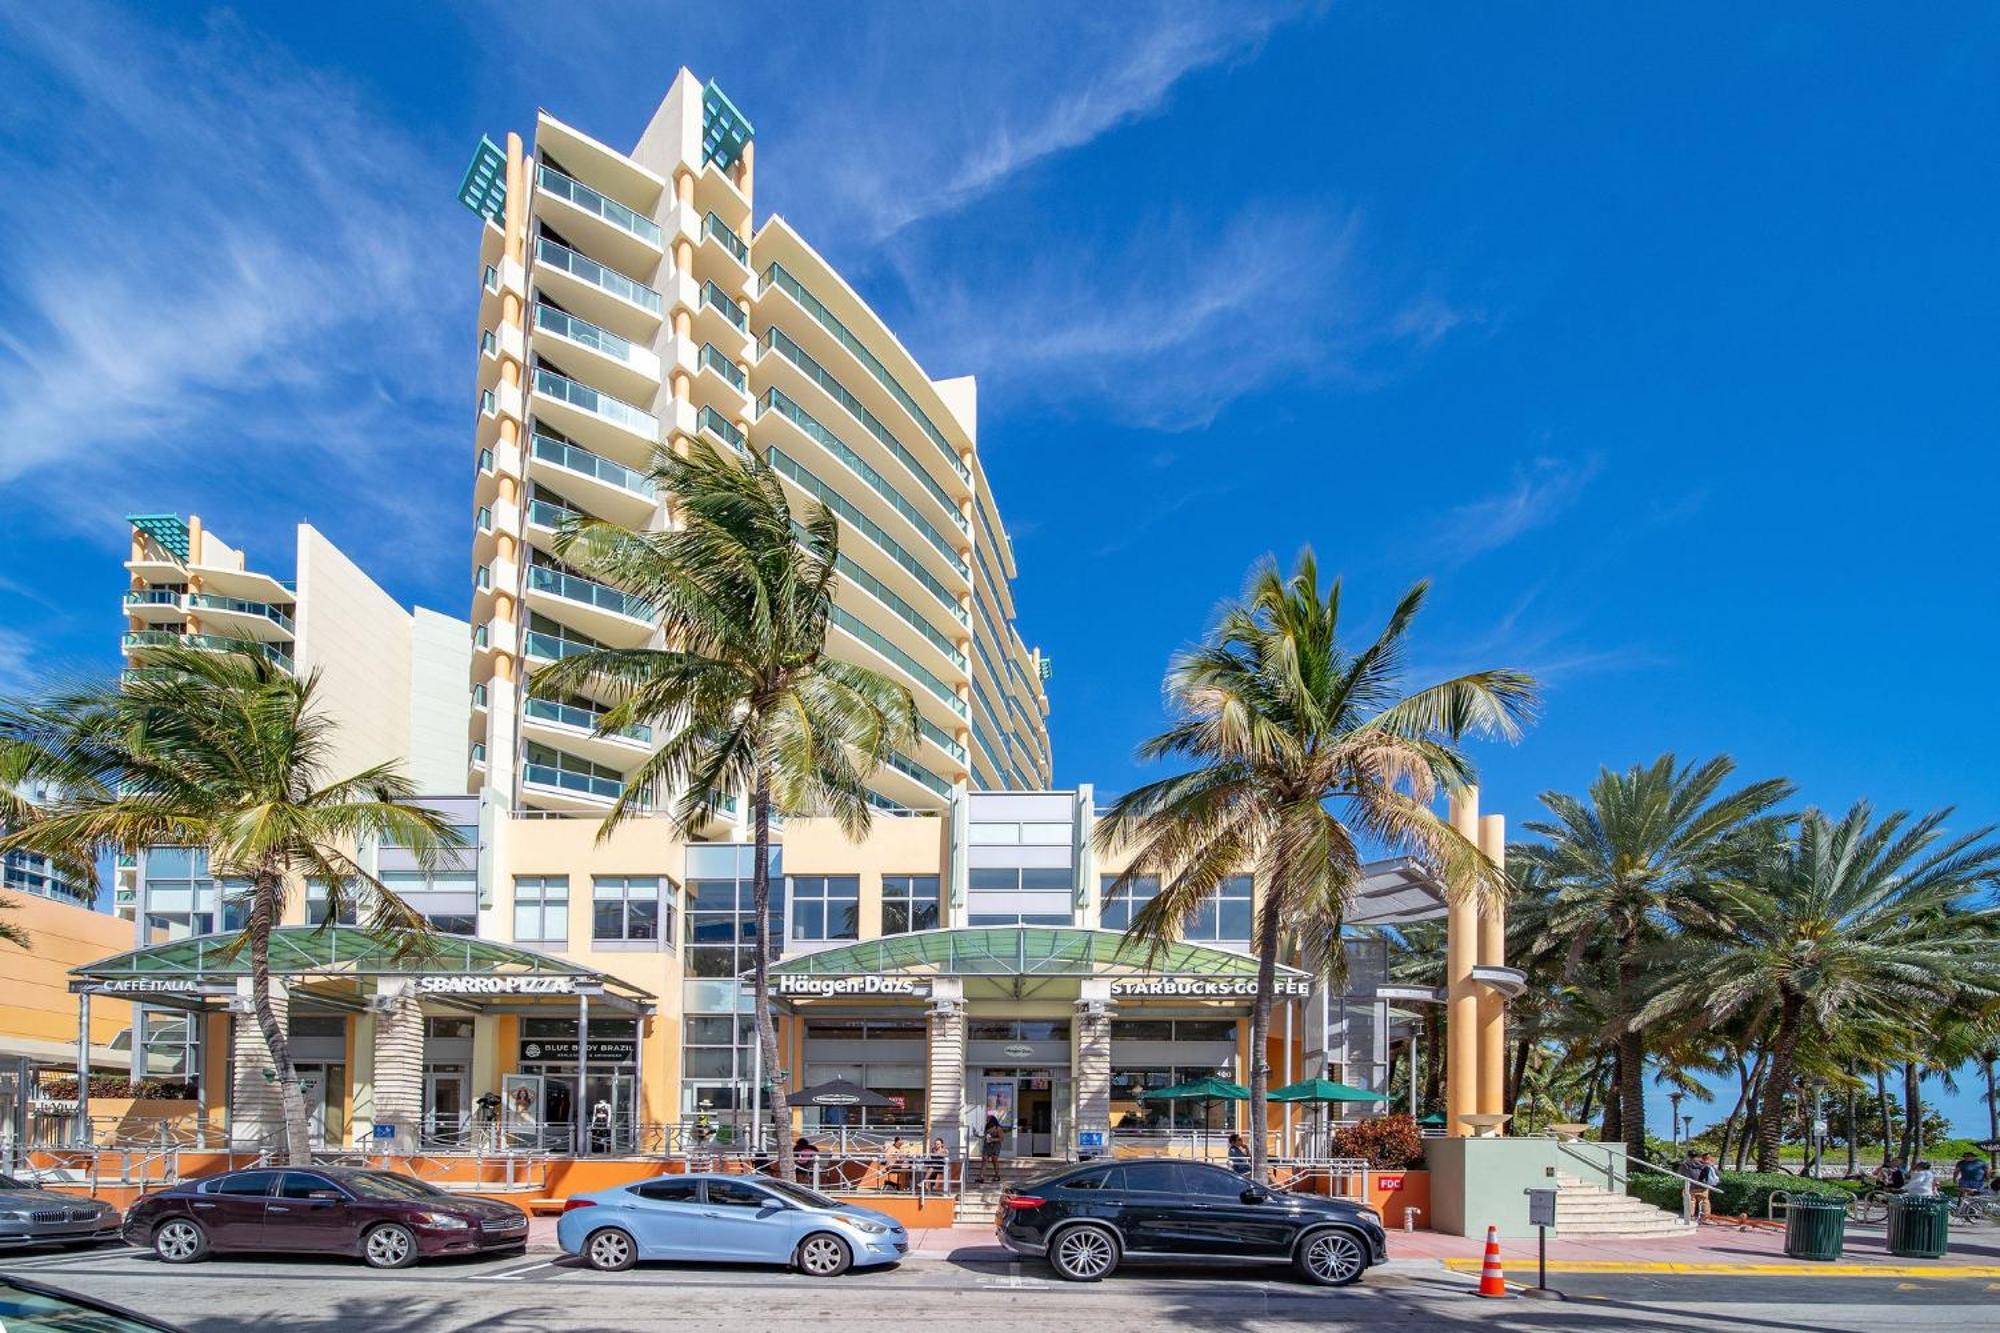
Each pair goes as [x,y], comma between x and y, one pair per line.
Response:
[387,1219]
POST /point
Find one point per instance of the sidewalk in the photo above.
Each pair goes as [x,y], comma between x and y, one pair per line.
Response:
[1717,1249]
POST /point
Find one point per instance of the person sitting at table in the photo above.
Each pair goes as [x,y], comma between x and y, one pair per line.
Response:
[1239,1155]
[897,1158]
[804,1152]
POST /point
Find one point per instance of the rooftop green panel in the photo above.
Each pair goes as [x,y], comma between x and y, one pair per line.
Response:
[333,951]
[1002,951]
[724,129]
[484,188]
[170,531]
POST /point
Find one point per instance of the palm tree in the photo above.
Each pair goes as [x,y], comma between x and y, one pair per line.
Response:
[1282,721]
[745,688]
[1630,864]
[1847,920]
[225,752]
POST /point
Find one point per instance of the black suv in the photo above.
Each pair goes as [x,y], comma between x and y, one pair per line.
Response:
[1091,1217]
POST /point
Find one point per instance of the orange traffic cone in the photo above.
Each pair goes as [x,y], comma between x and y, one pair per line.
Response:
[1492,1282]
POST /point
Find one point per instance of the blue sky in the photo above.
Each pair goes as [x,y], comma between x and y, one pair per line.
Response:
[1659,337]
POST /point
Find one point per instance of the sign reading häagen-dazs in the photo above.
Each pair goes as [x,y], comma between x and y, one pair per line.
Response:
[471,984]
[786,983]
[1209,987]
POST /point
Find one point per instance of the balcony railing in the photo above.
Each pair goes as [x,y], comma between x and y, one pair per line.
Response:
[874,639]
[543,514]
[716,227]
[590,201]
[947,741]
[731,311]
[153,597]
[710,420]
[557,255]
[565,779]
[149,638]
[563,325]
[221,643]
[904,764]
[553,647]
[569,715]
[578,459]
[908,614]
[711,356]
[614,410]
[202,601]
[869,528]
[575,589]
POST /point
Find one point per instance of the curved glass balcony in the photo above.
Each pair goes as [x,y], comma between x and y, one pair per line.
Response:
[569,715]
[616,411]
[590,201]
[557,255]
[577,589]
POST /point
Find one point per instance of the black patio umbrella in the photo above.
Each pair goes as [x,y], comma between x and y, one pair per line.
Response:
[837,1092]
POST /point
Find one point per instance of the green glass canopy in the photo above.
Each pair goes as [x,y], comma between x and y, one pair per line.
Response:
[169,530]
[331,951]
[1014,951]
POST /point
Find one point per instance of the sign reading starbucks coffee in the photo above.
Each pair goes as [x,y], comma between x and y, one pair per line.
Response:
[1206,988]
[535,1050]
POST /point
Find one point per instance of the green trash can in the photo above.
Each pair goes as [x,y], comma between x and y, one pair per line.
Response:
[1815,1227]
[1919,1226]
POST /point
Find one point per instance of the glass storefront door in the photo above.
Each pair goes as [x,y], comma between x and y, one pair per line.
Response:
[445,1119]
[1000,1101]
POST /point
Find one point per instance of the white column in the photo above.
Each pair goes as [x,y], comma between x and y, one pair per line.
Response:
[399,1065]
[945,1082]
[1092,1043]
[256,1106]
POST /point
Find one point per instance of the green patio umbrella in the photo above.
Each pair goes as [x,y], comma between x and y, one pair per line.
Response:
[1207,1091]
[1324,1090]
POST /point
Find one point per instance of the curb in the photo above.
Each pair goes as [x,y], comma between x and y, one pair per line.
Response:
[1751,1270]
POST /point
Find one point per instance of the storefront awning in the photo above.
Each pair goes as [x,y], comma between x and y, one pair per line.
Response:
[1024,951]
[446,964]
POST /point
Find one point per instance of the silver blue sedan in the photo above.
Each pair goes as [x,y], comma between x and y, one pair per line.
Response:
[731,1220]
[30,1215]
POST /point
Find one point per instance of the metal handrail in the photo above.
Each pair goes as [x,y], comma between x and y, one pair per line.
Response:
[1687,1186]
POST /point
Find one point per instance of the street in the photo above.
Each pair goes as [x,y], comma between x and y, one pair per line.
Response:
[542,1292]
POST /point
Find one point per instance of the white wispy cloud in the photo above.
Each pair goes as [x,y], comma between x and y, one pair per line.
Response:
[1540,491]
[215,260]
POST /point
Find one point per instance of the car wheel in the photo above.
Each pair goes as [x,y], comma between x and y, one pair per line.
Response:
[1331,1258]
[1083,1254]
[390,1245]
[610,1251]
[824,1255]
[179,1241]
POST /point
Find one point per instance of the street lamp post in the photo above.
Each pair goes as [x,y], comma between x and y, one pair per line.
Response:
[1674,1121]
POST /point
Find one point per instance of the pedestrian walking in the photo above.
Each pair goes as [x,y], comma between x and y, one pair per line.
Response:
[990,1140]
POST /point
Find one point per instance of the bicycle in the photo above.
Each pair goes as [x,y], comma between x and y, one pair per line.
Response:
[1975,1207]
[1873,1206]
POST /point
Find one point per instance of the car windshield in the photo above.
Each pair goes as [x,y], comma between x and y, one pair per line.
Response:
[389,1185]
[25,1309]
[798,1194]
[11,1183]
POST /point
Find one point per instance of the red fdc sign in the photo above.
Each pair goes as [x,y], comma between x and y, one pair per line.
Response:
[1389,1182]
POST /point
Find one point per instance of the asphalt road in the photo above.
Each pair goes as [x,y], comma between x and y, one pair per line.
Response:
[536,1292]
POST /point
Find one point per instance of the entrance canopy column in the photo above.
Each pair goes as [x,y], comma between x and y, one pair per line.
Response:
[399,1064]
[945,1080]
[256,1105]
[1092,1064]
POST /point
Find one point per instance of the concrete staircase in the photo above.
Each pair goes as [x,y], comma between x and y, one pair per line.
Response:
[980,1201]
[1585,1209]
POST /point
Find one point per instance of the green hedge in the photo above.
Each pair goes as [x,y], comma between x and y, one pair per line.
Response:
[1742,1192]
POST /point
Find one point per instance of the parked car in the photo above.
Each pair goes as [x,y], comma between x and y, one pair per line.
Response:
[1089,1219]
[30,1307]
[728,1219]
[387,1219]
[31,1215]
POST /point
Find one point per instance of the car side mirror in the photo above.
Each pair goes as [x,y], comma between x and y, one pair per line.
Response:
[1256,1194]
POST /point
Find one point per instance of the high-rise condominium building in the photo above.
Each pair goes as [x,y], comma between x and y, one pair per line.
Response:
[634,301]
[391,680]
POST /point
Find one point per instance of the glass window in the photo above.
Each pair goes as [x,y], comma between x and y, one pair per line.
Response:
[669,1191]
[1204,1029]
[1089,1180]
[1117,910]
[316,903]
[988,879]
[541,909]
[458,1029]
[1019,919]
[1212,1181]
[453,923]
[1046,879]
[1161,1177]
[1141,1029]
[317,1025]
[909,902]
[825,907]
[735,1194]
[242,1183]
[303,1185]
[628,907]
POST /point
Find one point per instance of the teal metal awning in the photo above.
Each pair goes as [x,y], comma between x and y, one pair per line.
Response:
[724,129]
[1017,951]
[335,952]
[168,531]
